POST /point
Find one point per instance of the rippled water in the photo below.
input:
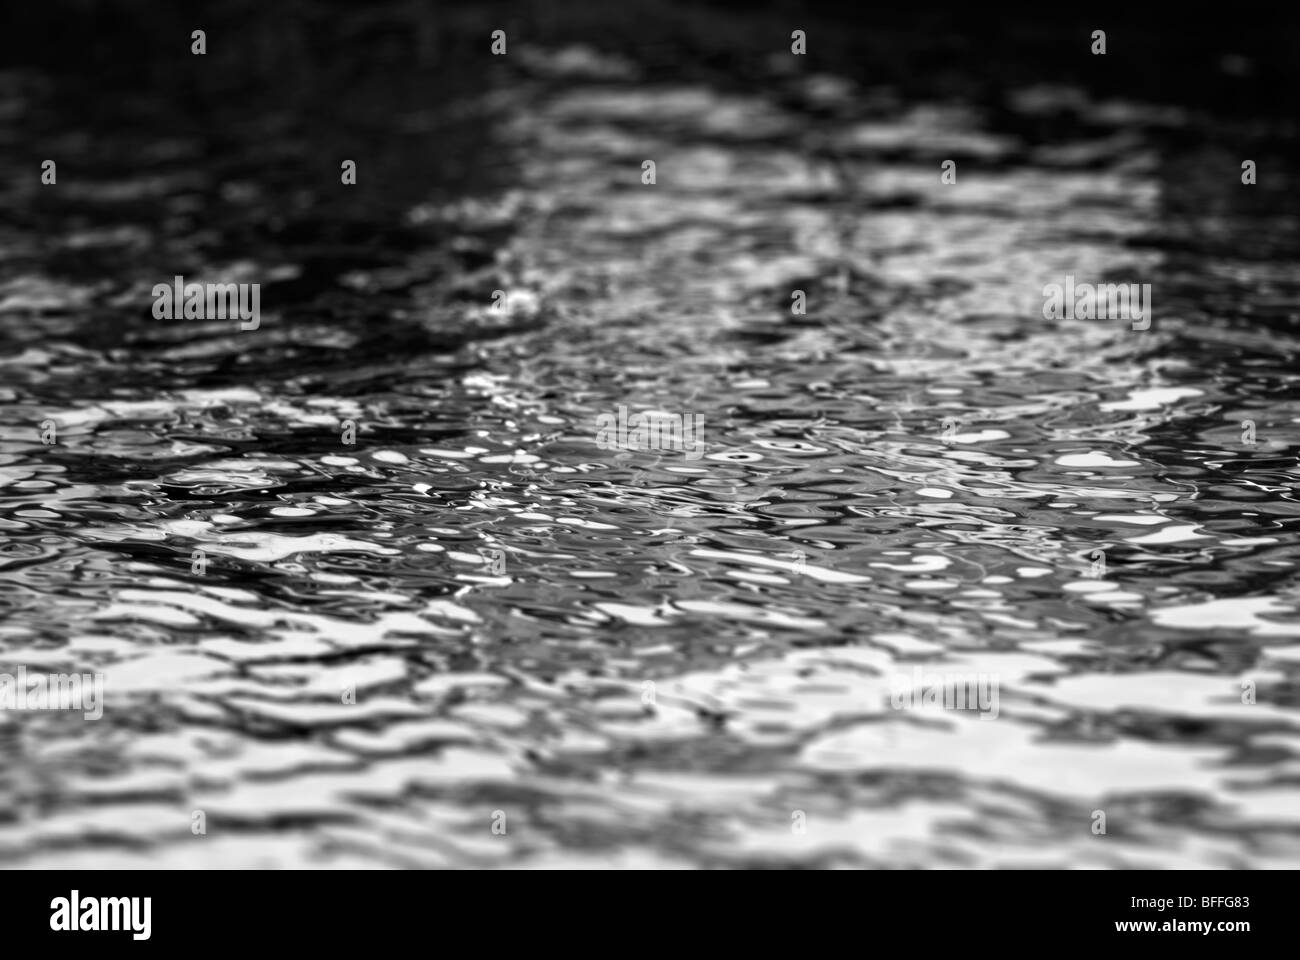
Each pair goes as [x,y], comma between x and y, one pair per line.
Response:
[679,657]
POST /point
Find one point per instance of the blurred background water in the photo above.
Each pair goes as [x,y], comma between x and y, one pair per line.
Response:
[679,657]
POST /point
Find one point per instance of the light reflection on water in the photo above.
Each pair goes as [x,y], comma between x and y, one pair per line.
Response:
[678,655]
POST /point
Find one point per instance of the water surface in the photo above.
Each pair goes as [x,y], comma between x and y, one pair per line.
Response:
[680,658]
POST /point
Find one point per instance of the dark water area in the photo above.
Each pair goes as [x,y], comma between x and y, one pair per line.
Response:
[631,657]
